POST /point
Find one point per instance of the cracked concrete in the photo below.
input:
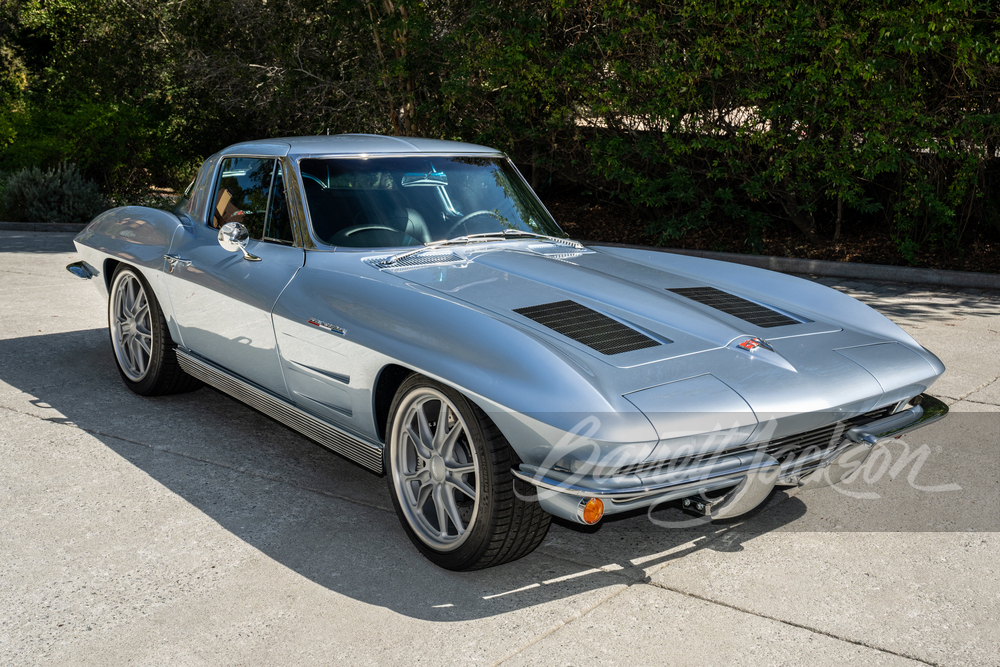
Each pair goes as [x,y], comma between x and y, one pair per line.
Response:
[193,530]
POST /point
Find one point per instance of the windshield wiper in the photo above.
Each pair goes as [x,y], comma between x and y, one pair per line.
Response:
[521,232]
[484,237]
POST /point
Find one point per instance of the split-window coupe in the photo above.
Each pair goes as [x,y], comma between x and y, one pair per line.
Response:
[411,305]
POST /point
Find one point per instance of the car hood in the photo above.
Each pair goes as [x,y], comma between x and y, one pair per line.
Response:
[804,365]
[514,283]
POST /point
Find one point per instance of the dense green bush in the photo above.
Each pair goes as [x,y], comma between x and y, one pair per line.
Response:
[60,194]
[760,110]
[769,112]
[94,88]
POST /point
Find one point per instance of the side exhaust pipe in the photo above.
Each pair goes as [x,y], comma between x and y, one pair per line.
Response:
[745,496]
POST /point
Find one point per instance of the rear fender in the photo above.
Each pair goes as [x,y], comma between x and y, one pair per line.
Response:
[136,236]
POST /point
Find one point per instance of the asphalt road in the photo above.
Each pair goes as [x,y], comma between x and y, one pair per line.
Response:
[193,530]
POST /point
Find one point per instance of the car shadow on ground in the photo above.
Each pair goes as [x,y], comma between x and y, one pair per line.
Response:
[317,514]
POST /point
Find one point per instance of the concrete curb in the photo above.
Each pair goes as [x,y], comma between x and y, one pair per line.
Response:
[42,227]
[819,267]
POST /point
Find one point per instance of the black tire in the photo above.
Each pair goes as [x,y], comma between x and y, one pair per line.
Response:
[499,527]
[144,352]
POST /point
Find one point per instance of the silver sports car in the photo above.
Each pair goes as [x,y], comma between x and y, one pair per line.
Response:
[411,305]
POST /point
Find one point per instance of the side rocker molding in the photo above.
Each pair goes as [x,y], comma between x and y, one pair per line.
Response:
[343,443]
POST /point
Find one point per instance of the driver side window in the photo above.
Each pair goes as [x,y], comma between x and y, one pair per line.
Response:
[251,191]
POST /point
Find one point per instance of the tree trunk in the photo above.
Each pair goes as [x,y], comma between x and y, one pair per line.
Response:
[840,216]
[534,168]
[804,220]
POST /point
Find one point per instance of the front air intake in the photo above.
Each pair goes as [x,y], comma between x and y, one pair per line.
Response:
[587,326]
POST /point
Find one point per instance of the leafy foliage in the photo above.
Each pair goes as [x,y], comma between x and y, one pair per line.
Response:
[691,111]
[60,194]
[753,109]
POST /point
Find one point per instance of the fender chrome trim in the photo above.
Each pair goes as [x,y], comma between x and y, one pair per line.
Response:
[337,440]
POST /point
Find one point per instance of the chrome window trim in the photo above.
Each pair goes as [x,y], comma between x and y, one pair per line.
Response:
[295,197]
[368,156]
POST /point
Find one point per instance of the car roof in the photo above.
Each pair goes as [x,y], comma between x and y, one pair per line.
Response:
[352,144]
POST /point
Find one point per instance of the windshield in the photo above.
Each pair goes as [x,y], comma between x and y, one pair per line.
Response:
[407,201]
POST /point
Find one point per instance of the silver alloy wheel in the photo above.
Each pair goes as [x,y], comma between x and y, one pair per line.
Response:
[434,469]
[131,326]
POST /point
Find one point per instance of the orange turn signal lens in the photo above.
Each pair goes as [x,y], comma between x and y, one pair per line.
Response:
[593,511]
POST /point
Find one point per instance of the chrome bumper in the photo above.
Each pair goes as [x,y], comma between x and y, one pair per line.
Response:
[752,474]
[859,443]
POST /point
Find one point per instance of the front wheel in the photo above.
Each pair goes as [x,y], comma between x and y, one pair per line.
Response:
[448,470]
[140,339]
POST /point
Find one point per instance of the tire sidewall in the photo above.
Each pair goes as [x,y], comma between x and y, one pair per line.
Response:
[469,551]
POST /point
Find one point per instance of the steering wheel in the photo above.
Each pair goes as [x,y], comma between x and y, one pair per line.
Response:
[468,216]
[346,234]
[313,178]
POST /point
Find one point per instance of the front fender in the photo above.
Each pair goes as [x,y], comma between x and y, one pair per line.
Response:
[534,391]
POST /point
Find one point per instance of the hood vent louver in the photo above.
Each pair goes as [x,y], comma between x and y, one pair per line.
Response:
[589,327]
[748,311]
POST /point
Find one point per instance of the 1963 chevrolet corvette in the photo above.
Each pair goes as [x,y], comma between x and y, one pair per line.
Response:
[411,305]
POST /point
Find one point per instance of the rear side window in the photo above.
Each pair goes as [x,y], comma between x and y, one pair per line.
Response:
[195,199]
[251,191]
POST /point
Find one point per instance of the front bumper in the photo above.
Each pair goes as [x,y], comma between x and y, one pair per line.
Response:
[749,475]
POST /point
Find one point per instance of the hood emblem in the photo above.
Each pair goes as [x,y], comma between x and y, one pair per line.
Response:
[751,344]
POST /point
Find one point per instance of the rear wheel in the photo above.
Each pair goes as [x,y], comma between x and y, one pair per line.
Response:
[141,341]
[448,470]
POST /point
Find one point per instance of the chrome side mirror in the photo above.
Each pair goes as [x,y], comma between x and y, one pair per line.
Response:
[234,236]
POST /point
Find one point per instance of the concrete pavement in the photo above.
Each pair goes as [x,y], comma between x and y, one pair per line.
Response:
[193,530]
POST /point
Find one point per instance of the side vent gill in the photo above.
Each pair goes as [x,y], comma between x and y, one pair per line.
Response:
[587,326]
[748,311]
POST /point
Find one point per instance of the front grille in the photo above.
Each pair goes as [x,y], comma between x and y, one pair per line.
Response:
[421,259]
[587,326]
[748,311]
[822,438]
[782,449]
[819,439]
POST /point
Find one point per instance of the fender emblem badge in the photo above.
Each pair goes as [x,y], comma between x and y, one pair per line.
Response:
[332,328]
[751,344]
